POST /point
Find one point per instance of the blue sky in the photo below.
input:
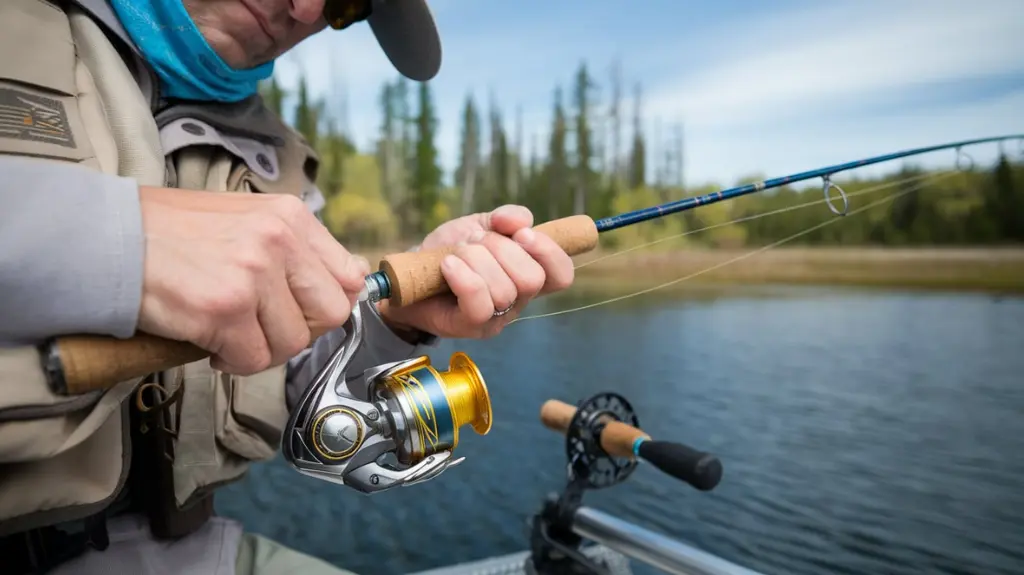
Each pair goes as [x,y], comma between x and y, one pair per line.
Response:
[762,86]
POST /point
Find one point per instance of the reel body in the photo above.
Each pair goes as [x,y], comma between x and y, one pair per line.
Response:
[345,428]
[589,464]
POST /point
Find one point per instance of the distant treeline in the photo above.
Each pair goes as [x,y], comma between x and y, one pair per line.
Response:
[395,193]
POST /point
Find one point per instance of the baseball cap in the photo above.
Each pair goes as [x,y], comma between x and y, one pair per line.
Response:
[404,29]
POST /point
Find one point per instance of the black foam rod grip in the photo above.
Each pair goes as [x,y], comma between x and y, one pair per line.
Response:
[701,470]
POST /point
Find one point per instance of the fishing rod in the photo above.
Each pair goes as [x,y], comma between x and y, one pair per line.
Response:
[410,277]
[82,363]
[604,444]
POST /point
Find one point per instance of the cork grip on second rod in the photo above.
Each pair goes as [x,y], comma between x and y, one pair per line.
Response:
[416,276]
[617,438]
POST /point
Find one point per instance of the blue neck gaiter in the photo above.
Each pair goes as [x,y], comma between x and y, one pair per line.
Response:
[188,67]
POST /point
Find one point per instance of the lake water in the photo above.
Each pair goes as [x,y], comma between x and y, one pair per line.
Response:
[861,432]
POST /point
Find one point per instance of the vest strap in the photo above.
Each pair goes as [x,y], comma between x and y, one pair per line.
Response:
[39,551]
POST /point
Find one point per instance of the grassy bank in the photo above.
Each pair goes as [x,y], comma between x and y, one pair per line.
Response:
[983,269]
[999,270]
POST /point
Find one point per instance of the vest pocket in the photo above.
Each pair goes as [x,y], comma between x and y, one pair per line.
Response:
[257,414]
[39,113]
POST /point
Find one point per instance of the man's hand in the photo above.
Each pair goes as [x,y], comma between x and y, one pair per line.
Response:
[243,276]
[500,262]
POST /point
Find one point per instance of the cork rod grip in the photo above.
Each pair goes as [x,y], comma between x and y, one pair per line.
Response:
[617,438]
[82,363]
[416,276]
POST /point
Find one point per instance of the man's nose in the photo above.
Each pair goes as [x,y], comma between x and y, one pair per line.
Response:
[306,11]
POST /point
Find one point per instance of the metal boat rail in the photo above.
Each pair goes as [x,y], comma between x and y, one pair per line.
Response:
[650,547]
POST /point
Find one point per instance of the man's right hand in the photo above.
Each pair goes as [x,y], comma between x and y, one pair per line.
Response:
[243,276]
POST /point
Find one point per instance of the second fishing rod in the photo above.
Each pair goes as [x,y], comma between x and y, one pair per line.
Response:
[79,364]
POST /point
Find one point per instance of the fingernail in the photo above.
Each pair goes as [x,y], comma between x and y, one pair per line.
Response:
[448,263]
[511,211]
[477,237]
[359,265]
[525,236]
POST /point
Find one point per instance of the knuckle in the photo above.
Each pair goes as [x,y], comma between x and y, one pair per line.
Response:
[470,252]
[508,297]
[254,260]
[562,280]
[230,299]
[296,343]
[533,282]
[291,208]
[256,359]
[273,234]
[261,360]
[479,316]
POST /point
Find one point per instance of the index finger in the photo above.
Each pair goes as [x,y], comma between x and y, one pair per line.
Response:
[349,270]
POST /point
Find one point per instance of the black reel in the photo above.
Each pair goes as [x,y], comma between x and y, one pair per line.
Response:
[589,464]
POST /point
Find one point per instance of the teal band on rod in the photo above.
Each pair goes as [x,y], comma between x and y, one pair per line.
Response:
[636,446]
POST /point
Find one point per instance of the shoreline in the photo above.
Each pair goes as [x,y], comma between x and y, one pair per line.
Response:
[985,269]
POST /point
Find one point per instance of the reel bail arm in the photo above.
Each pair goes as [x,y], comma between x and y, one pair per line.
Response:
[344,428]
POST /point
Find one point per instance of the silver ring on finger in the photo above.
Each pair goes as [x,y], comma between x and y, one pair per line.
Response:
[506,310]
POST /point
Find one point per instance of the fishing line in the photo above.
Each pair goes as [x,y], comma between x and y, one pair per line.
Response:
[871,189]
[740,257]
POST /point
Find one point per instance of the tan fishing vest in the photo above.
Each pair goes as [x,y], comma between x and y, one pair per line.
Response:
[64,458]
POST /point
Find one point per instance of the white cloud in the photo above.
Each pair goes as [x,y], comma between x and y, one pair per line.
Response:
[835,59]
[772,95]
[815,142]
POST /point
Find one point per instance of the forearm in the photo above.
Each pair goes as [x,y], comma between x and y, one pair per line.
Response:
[380,345]
[72,251]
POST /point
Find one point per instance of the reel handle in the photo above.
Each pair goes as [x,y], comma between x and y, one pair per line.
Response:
[701,470]
[416,276]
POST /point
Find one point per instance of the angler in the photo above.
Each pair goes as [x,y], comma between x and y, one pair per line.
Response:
[115,116]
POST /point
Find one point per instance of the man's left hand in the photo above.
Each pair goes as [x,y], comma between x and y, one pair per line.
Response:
[500,264]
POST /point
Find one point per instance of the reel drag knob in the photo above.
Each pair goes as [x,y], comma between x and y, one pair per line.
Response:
[429,406]
[336,434]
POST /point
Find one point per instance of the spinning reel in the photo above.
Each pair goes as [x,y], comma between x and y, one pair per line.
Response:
[345,427]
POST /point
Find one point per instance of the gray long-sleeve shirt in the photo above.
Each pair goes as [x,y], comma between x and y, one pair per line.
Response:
[71,251]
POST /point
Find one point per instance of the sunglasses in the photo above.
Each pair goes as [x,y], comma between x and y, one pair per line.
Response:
[341,14]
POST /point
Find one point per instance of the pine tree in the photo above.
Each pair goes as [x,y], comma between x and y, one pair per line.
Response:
[427,173]
[467,174]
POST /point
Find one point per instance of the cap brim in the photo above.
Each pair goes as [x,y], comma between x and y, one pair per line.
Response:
[407,34]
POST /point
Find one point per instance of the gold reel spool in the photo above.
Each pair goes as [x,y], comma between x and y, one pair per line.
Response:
[435,404]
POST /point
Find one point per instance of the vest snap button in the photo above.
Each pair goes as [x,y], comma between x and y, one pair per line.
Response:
[264,162]
[194,129]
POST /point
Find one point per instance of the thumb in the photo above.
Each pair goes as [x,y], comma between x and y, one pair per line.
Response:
[508,219]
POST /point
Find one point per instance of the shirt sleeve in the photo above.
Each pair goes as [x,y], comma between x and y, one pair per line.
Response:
[71,251]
